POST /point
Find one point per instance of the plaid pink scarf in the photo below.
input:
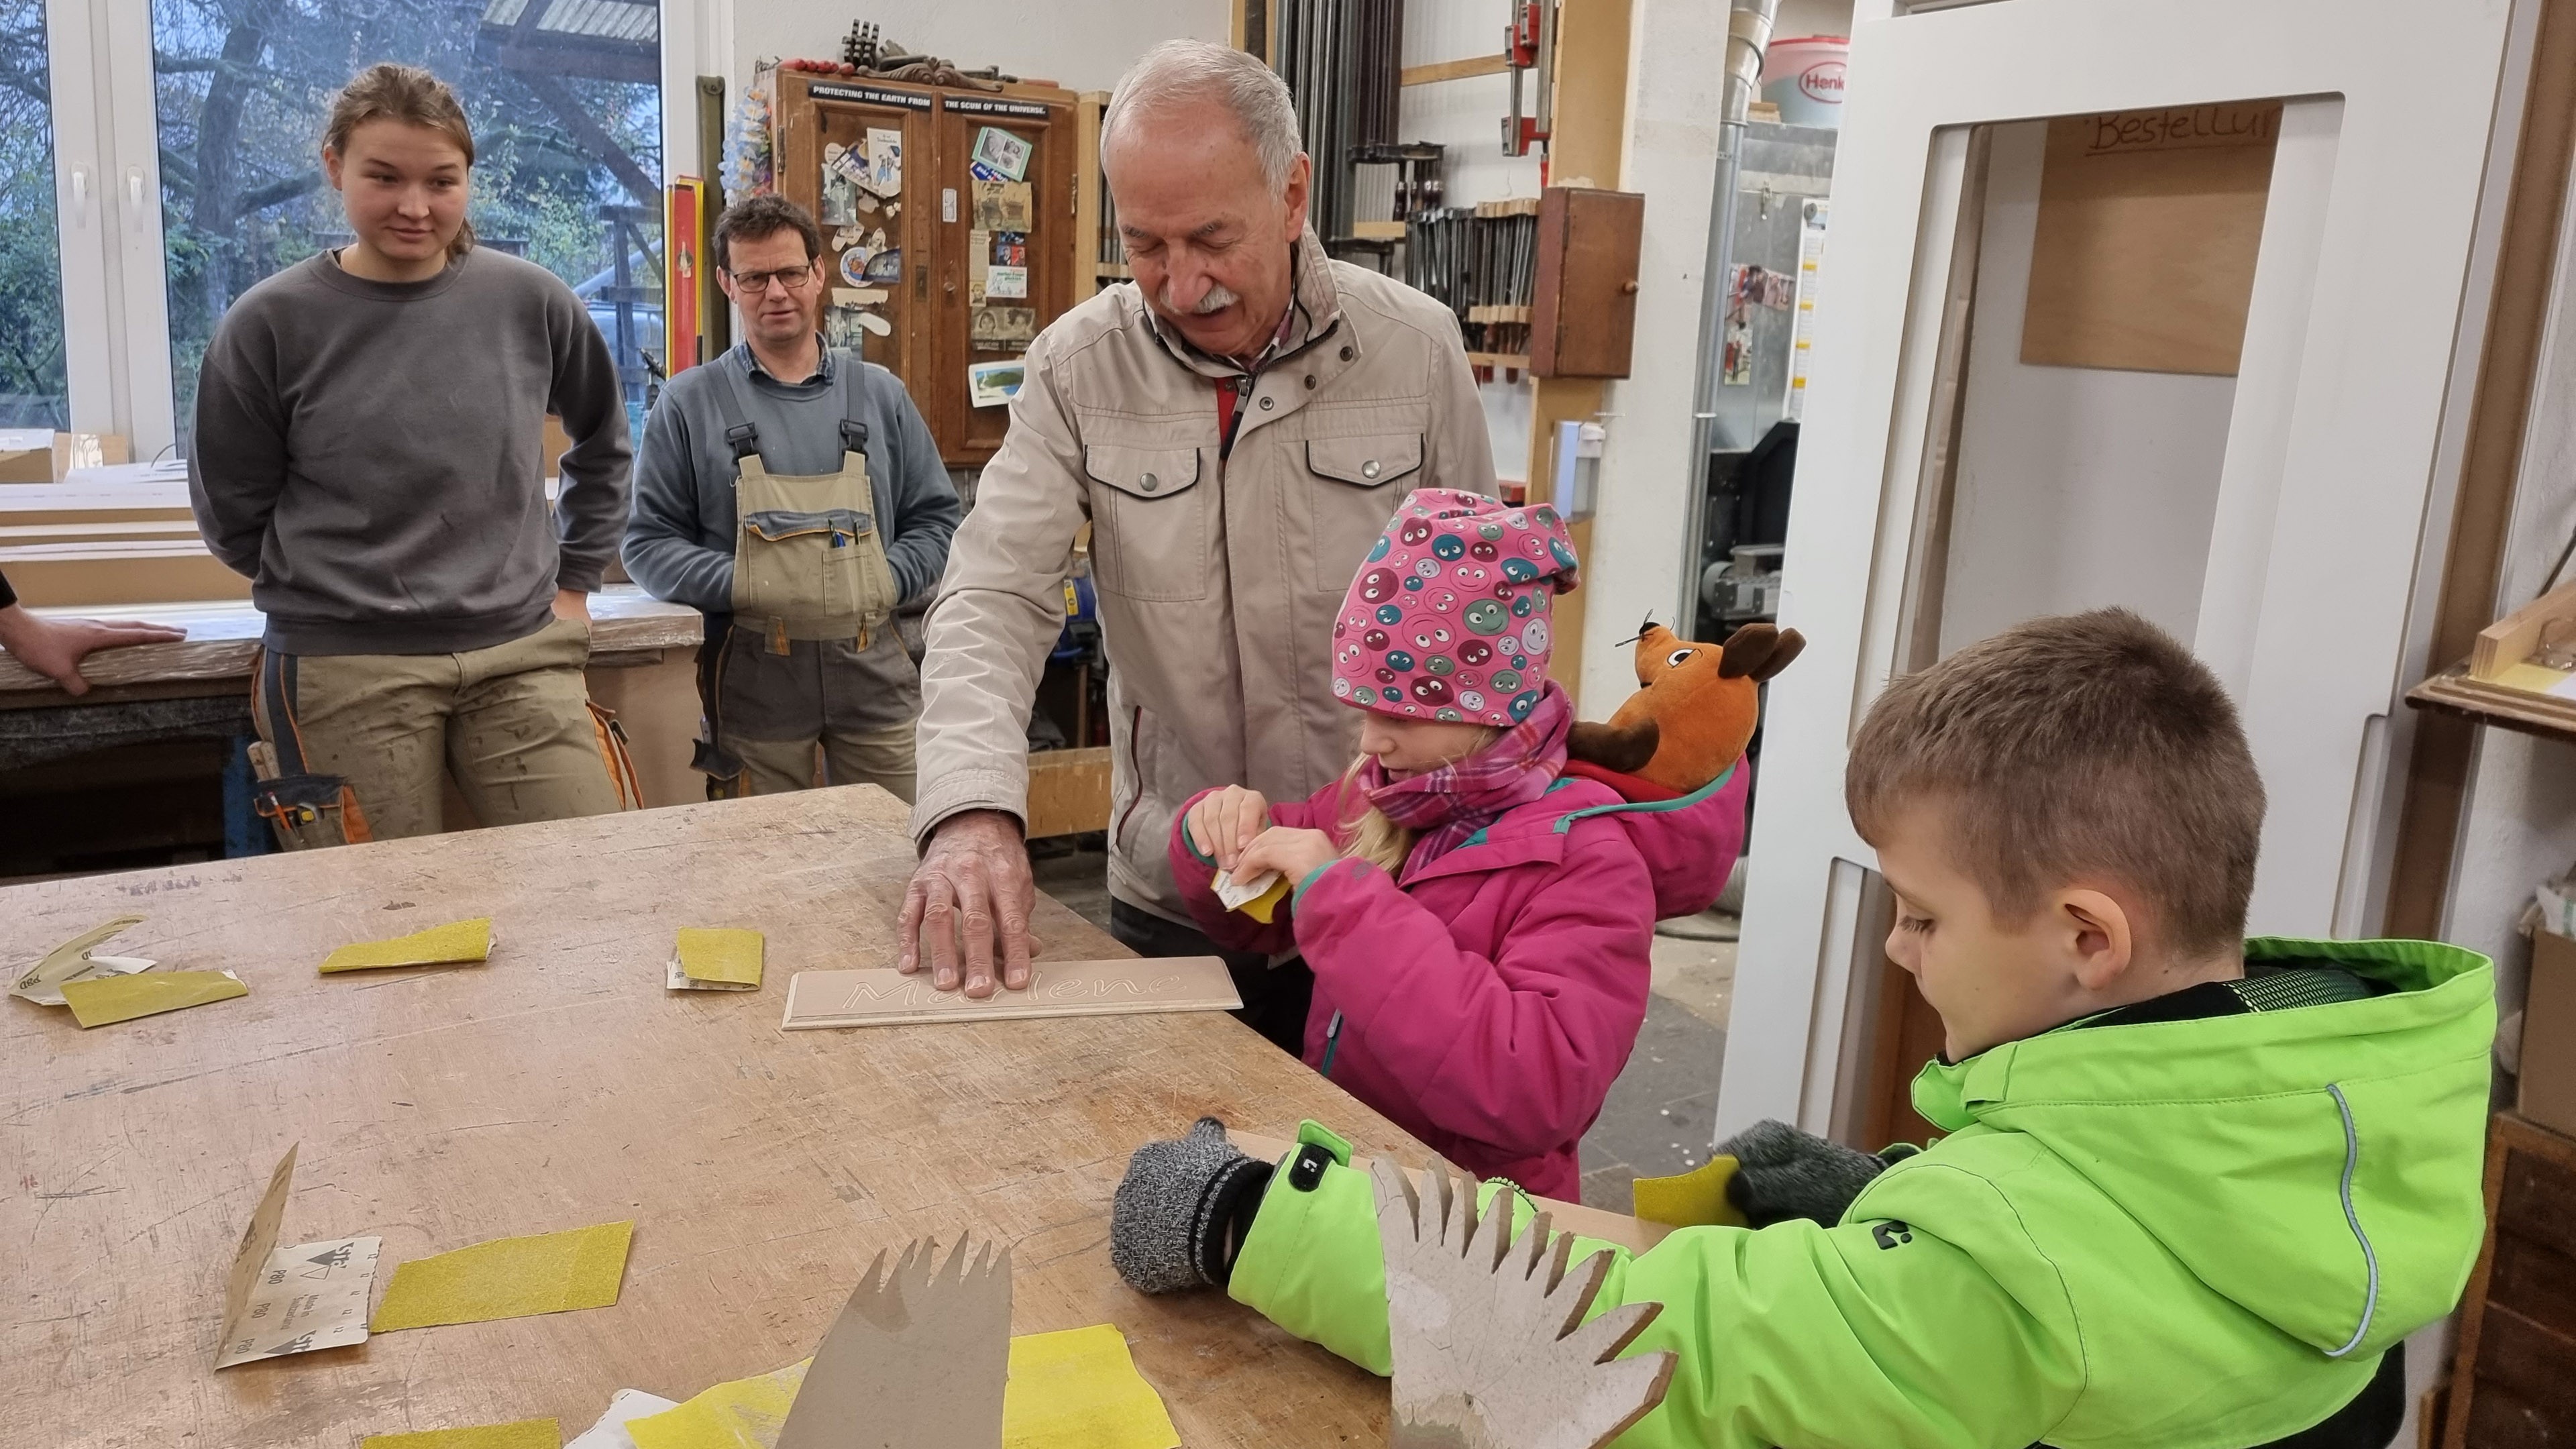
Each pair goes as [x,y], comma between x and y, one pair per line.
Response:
[1452,803]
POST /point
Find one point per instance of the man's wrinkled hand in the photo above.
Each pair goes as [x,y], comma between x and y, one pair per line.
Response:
[970,899]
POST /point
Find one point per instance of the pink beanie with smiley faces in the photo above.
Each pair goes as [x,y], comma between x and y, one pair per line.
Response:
[1449,617]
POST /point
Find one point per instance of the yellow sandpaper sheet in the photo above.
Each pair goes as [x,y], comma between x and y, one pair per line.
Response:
[731,957]
[1694,1199]
[1266,905]
[508,1278]
[103,999]
[1073,1390]
[524,1434]
[455,943]
[742,1414]
[1079,1389]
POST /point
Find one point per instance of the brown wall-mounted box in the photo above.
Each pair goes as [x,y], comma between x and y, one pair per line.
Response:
[2548,1061]
[1585,323]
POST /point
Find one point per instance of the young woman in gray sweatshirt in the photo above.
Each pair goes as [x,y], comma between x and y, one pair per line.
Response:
[367,449]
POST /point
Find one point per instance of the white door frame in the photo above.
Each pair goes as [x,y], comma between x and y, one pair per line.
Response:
[2333,451]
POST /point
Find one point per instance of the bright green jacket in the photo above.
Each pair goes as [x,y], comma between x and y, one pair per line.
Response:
[2188,1235]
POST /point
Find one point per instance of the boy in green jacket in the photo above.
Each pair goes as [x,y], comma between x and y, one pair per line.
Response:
[2194,1191]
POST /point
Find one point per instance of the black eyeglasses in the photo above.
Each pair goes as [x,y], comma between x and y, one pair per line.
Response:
[756,284]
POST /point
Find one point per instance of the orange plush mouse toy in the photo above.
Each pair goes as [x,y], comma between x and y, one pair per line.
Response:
[1691,717]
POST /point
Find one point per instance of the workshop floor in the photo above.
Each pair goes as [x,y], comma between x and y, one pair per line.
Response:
[1659,1113]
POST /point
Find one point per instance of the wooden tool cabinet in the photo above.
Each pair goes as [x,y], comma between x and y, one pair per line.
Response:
[928,308]
[2510,1386]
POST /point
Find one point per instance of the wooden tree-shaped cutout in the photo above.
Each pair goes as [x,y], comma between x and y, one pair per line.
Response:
[1487,1332]
[917,1359]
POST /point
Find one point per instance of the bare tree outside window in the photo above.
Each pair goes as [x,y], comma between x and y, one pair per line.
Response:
[565,101]
[32,388]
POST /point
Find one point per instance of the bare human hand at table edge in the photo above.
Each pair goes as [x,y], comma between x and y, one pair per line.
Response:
[571,604]
[54,648]
[973,881]
[1224,821]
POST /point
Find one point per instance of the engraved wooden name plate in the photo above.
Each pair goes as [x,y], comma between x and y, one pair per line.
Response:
[887,997]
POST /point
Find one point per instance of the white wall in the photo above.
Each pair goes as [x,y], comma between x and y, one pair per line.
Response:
[1080,46]
[2077,487]
[1797,19]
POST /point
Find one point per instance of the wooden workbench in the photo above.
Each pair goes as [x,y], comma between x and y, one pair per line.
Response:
[561,1086]
[223,645]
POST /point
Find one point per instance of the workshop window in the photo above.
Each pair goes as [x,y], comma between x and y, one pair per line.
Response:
[34,392]
[564,97]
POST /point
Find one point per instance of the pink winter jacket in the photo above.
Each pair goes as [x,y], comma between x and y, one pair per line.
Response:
[1489,1001]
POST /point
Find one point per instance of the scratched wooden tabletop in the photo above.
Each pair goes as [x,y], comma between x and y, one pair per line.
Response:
[562,1085]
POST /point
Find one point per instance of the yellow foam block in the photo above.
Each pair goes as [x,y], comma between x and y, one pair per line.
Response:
[742,1414]
[122,998]
[1266,904]
[508,1278]
[1079,1389]
[728,956]
[524,1434]
[452,944]
[1695,1199]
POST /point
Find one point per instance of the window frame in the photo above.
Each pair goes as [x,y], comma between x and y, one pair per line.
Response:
[107,190]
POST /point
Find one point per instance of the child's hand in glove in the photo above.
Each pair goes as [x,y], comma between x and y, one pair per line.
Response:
[1783,1173]
[1183,1209]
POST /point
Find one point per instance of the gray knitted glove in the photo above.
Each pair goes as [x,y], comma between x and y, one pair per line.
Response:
[1183,1209]
[1783,1173]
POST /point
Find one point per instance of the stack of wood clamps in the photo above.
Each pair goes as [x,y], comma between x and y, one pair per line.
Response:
[1483,262]
[1340,59]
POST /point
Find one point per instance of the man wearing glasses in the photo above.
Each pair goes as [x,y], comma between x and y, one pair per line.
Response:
[793,494]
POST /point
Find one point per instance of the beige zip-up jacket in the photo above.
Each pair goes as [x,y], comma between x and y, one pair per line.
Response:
[1218,578]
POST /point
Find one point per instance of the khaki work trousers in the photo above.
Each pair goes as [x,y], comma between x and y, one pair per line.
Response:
[511,723]
[850,757]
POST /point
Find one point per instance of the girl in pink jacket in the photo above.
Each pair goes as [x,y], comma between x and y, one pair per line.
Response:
[1477,920]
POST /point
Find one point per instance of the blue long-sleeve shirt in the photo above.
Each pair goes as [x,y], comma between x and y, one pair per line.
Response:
[680,535]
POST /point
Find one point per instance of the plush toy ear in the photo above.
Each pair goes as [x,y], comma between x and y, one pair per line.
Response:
[1783,654]
[1623,748]
[1746,651]
[1758,651]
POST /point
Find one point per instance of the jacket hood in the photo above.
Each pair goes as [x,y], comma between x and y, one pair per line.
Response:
[2278,1150]
[1689,842]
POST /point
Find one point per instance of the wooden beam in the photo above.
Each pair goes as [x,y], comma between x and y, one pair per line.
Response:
[1449,70]
[2437,769]
[1591,94]
[1591,138]
[594,137]
[1088,112]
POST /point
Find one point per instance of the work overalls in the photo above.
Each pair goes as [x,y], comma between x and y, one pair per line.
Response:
[812,593]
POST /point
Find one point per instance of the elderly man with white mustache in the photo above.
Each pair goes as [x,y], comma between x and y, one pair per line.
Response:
[1237,426]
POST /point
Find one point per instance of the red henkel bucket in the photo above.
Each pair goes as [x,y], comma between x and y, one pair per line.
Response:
[1804,78]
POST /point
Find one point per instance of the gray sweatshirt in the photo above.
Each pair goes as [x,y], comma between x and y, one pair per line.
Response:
[679,544]
[368,453]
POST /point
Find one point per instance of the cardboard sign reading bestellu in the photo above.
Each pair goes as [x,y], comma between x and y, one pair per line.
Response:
[886,997]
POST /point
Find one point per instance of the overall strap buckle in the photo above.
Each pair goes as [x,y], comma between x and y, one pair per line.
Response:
[744,439]
[854,435]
